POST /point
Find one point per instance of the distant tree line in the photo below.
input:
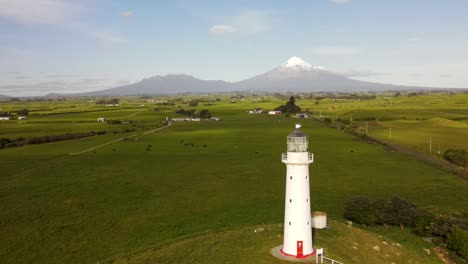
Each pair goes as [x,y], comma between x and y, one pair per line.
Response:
[204,114]
[445,228]
[8,143]
[108,101]
[22,112]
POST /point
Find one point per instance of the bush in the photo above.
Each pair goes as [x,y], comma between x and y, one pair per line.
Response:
[457,156]
[458,242]
[193,103]
[114,122]
[4,142]
[22,112]
[359,210]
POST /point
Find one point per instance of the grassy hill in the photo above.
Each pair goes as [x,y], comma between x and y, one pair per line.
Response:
[244,245]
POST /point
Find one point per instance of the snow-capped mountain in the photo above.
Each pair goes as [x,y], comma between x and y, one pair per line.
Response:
[297,64]
[298,75]
[294,75]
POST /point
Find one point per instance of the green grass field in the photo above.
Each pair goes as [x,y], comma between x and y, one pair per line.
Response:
[124,199]
[244,245]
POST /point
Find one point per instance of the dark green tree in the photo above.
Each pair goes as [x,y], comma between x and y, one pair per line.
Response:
[22,112]
[205,114]
[290,107]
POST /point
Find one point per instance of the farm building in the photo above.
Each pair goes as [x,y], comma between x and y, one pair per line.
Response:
[21,117]
[187,119]
[256,111]
[302,115]
[5,118]
[179,119]
[274,112]
[101,119]
[184,119]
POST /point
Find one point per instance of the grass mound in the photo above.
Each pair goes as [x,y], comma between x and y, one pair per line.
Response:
[341,242]
[442,122]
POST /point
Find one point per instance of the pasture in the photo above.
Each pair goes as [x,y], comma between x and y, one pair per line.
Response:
[189,179]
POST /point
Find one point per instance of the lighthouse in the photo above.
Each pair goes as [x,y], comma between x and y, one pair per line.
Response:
[297,241]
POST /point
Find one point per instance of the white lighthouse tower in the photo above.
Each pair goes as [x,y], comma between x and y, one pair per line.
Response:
[297,222]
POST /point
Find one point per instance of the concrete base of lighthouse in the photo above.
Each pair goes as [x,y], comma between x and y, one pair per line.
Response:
[277,252]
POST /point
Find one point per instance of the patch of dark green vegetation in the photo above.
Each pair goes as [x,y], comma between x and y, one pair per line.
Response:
[19,142]
[457,156]
[444,229]
[204,114]
[290,107]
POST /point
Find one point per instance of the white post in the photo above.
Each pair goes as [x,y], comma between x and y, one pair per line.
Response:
[430,145]
[367,132]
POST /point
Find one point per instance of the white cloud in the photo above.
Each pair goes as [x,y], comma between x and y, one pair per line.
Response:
[126,13]
[39,11]
[414,39]
[61,13]
[108,39]
[340,1]
[250,22]
[222,29]
[335,50]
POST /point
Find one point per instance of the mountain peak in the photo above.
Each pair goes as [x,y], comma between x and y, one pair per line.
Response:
[296,63]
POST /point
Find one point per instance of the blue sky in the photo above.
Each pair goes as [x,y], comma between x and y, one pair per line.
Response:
[69,46]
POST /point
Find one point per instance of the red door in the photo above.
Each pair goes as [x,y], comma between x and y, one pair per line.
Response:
[299,249]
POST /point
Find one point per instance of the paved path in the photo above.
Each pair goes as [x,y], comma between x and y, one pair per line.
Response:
[120,139]
[424,157]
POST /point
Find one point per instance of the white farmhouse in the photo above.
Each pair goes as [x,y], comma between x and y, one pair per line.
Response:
[275,112]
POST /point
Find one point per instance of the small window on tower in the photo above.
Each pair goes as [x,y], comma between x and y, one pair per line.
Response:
[307,222]
[290,177]
[306,177]
[290,200]
[307,200]
[289,223]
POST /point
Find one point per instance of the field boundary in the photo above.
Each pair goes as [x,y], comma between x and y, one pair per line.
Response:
[398,148]
[120,139]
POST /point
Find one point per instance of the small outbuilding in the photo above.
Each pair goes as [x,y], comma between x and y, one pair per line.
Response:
[101,119]
[258,110]
[319,220]
[21,117]
[5,118]
[275,112]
